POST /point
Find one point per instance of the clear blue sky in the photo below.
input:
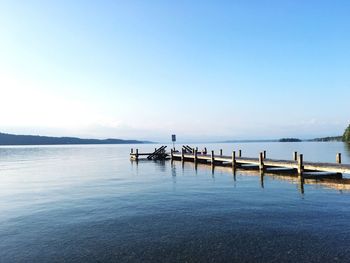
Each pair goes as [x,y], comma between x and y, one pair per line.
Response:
[204,70]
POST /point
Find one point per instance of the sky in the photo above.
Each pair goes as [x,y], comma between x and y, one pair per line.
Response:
[204,70]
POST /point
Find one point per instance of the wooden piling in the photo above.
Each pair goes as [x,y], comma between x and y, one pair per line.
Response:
[212,157]
[295,156]
[338,158]
[171,153]
[233,159]
[264,154]
[131,151]
[137,154]
[195,155]
[239,153]
[205,150]
[300,165]
[182,154]
[261,161]
[220,152]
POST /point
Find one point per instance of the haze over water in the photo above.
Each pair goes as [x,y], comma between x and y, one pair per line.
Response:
[92,204]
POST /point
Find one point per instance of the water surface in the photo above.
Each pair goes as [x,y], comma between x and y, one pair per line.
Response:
[92,204]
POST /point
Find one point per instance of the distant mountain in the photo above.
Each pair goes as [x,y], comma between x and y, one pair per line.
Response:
[268,140]
[289,140]
[328,139]
[12,139]
[235,141]
[344,138]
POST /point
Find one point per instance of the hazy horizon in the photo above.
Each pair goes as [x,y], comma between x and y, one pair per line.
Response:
[185,139]
[206,71]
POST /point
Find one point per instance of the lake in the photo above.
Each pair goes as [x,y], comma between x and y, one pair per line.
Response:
[91,203]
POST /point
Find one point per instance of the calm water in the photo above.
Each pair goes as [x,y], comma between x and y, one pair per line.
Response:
[92,204]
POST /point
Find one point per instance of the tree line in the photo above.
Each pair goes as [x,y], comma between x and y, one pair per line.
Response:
[346,135]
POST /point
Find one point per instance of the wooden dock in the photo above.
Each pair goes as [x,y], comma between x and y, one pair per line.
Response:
[236,160]
[262,163]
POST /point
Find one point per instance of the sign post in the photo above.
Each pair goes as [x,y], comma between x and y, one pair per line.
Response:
[173,139]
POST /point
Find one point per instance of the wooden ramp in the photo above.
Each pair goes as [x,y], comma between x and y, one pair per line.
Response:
[190,150]
[158,154]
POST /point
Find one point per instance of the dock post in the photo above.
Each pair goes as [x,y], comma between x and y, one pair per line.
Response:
[261,161]
[171,153]
[182,154]
[212,157]
[339,158]
[220,152]
[131,151]
[300,165]
[264,154]
[234,159]
[195,157]
[205,150]
[239,153]
[137,155]
[295,156]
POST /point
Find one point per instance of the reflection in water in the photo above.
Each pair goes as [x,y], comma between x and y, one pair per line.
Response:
[161,165]
[136,164]
[301,184]
[336,182]
[234,173]
[347,148]
[173,174]
[262,180]
[234,177]
[173,169]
